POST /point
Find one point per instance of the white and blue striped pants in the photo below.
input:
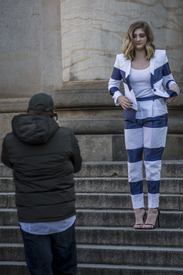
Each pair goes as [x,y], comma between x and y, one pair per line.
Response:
[146,136]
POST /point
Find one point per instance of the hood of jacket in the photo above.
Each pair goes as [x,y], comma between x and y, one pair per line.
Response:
[33,128]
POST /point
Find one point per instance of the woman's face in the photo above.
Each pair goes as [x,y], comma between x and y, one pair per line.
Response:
[140,39]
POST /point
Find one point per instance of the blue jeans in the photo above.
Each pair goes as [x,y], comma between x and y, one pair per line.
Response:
[51,254]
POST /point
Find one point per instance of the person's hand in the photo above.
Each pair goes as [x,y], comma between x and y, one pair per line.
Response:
[57,121]
[124,102]
[170,99]
[175,89]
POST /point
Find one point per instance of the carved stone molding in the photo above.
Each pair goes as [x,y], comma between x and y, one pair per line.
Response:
[94,94]
[13,105]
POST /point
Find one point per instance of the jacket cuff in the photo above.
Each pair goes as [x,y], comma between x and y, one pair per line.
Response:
[170,84]
[171,93]
[115,97]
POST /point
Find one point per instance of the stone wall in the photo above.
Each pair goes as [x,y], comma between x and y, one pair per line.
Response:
[93,32]
[30,50]
[30,54]
[67,49]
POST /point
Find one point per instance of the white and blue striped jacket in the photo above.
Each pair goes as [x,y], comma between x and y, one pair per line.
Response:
[160,74]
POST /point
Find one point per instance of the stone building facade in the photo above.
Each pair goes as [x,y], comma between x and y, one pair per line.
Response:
[67,48]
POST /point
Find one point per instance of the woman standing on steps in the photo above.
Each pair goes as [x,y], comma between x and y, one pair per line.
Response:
[143,71]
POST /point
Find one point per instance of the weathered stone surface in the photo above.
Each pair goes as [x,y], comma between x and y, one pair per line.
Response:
[106,201]
[105,218]
[109,254]
[95,147]
[5,124]
[7,201]
[8,217]
[7,185]
[130,255]
[30,55]
[114,169]
[92,34]
[89,36]
[112,147]
[17,268]
[111,236]
[5,172]
[106,185]
[104,224]
[20,48]
[108,269]
[14,268]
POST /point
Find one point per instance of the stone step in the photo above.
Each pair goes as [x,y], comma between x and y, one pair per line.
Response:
[123,236]
[106,243]
[12,252]
[107,185]
[106,201]
[110,254]
[7,200]
[170,169]
[123,201]
[13,268]
[120,185]
[5,172]
[112,147]
[20,268]
[8,217]
[100,217]
[124,218]
[101,269]
[10,234]
[129,237]
[130,255]
[7,185]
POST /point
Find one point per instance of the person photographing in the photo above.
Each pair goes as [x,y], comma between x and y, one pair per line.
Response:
[44,158]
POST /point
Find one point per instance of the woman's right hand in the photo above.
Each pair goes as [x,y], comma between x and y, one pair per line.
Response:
[124,102]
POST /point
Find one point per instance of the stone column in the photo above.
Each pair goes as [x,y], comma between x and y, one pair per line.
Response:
[92,34]
[93,31]
[30,50]
[68,48]
[30,54]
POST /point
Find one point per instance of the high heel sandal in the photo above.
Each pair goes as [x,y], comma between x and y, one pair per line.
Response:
[157,222]
[140,225]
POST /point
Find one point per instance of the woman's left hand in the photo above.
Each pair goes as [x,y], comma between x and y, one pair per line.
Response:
[170,99]
[175,89]
[57,121]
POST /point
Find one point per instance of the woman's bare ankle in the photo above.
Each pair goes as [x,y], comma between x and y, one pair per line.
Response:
[151,216]
[139,215]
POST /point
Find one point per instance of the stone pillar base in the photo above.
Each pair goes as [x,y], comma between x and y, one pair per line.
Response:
[112,147]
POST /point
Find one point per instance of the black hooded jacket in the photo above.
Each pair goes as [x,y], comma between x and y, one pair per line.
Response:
[44,158]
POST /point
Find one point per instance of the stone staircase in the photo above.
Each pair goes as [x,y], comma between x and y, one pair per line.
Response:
[106,241]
